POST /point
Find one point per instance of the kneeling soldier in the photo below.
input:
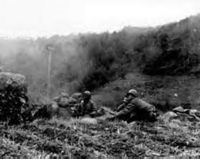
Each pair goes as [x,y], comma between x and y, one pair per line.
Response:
[134,108]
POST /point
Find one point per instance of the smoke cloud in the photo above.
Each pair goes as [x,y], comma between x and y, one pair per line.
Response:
[30,58]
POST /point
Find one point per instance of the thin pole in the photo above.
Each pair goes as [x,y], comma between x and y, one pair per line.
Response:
[49,73]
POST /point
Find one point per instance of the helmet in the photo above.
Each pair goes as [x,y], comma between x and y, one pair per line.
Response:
[77,95]
[87,94]
[132,92]
[64,94]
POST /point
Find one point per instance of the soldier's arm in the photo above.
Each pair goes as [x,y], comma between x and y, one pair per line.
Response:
[77,109]
[128,109]
[120,107]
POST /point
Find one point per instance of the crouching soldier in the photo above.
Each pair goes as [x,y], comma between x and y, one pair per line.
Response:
[62,100]
[86,107]
[134,108]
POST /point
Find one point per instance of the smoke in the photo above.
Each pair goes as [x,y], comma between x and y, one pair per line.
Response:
[30,58]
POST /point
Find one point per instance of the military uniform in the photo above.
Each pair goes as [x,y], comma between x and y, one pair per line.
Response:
[120,107]
[136,109]
[86,108]
[62,100]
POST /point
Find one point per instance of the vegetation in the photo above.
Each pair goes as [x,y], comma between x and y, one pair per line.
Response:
[79,139]
[161,63]
[92,61]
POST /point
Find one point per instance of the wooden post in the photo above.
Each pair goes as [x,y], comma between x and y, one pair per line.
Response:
[49,49]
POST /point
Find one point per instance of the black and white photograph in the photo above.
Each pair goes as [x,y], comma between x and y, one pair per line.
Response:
[100,79]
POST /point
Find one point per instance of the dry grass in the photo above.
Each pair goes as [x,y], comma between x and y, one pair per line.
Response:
[164,92]
[106,140]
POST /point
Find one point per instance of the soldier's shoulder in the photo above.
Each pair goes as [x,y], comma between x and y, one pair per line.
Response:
[142,103]
[136,100]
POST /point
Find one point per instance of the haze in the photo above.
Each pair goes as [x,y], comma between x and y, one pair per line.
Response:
[33,18]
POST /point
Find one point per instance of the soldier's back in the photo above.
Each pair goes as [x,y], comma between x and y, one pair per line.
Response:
[143,110]
[141,104]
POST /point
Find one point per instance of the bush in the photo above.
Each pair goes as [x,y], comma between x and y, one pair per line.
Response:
[13,97]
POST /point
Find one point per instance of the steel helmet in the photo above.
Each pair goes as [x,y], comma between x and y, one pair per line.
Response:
[64,94]
[77,95]
[87,94]
[132,92]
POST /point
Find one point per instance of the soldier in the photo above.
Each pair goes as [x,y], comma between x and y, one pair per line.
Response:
[86,106]
[62,100]
[134,108]
[75,98]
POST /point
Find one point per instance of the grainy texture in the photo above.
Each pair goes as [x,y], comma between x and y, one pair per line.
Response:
[79,138]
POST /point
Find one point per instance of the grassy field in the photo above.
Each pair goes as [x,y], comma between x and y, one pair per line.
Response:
[90,138]
[165,92]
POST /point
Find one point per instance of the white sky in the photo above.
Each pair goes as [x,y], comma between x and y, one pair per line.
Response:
[48,17]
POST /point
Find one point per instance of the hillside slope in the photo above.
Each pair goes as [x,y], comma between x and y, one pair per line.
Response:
[171,50]
[92,61]
[164,92]
[164,68]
